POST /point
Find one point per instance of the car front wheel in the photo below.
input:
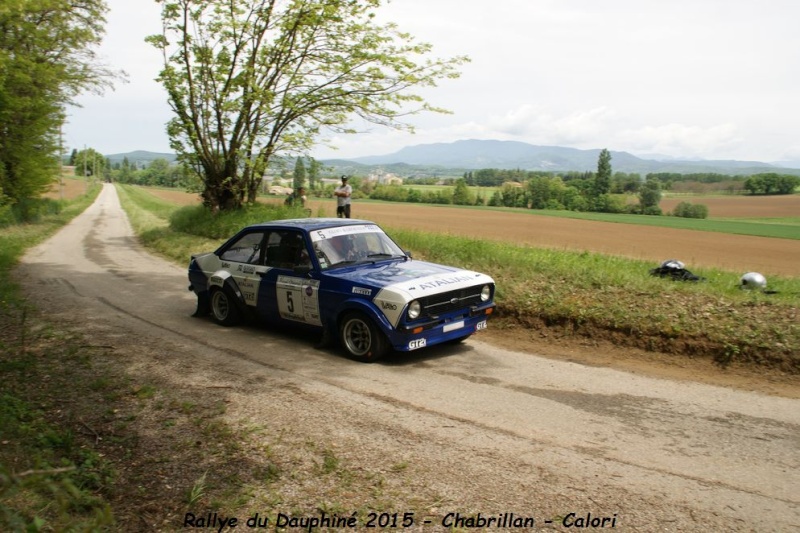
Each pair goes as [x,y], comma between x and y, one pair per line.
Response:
[361,338]
[223,307]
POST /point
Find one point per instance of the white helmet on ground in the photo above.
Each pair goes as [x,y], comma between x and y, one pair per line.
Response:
[753,280]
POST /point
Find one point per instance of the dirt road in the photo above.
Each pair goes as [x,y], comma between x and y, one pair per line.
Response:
[488,431]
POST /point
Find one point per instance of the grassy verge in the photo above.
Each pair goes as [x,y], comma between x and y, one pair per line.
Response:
[48,481]
[611,298]
[567,293]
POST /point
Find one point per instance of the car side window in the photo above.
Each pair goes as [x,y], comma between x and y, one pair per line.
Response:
[287,249]
[247,249]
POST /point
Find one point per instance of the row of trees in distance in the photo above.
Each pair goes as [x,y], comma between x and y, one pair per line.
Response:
[601,191]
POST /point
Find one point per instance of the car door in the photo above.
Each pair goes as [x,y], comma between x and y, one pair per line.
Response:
[290,286]
[244,259]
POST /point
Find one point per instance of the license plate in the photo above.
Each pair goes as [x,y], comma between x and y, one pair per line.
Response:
[453,326]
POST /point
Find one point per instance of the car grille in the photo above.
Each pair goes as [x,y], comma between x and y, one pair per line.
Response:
[439,304]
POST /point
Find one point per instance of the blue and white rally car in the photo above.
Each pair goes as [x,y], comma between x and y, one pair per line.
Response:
[346,278]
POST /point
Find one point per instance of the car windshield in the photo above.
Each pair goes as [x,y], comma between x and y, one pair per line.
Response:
[353,244]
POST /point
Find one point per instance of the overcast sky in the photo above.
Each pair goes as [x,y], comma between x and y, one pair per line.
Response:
[712,79]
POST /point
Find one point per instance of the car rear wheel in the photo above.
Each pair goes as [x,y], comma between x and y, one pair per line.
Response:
[223,307]
[361,338]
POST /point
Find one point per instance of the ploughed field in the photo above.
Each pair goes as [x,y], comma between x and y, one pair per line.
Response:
[736,253]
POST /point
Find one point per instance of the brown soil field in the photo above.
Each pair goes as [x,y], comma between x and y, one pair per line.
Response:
[72,188]
[784,206]
[736,253]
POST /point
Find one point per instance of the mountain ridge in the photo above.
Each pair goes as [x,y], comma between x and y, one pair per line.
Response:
[455,158]
[474,154]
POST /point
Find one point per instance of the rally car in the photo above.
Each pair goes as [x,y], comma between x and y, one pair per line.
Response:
[344,277]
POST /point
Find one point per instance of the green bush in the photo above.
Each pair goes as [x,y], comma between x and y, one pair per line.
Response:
[200,221]
[652,210]
[688,210]
[28,210]
[6,216]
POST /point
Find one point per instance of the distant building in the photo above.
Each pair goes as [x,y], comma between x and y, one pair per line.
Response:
[274,186]
[384,178]
[279,190]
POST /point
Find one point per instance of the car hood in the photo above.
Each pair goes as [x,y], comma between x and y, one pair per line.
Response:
[395,284]
[418,277]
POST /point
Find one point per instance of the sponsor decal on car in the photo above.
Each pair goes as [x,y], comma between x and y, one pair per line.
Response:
[327,233]
[298,299]
[439,283]
[483,324]
[362,291]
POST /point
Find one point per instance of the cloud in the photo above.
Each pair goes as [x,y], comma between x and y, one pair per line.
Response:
[707,78]
[681,140]
[542,126]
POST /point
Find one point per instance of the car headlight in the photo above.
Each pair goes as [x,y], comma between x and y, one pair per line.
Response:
[414,309]
[486,293]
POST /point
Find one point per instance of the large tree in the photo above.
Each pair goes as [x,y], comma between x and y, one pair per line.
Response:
[248,80]
[650,197]
[602,180]
[299,176]
[46,60]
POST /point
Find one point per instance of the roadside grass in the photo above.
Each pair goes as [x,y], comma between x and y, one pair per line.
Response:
[592,295]
[48,479]
[572,294]
[154,220]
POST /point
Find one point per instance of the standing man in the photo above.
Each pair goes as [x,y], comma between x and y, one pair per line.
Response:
[298,197]
[342,194]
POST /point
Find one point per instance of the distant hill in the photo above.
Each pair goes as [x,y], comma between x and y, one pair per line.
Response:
[140,157]
[453,159]
[476,154]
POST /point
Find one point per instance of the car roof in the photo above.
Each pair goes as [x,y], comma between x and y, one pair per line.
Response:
[309,224]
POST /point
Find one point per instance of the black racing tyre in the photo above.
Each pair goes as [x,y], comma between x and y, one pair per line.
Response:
[361,338]
[224,309]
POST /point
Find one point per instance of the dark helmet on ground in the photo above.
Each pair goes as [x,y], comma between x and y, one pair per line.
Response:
[672,264]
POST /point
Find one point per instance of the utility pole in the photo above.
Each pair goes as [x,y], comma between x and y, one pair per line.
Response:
[61,160]
[85,172]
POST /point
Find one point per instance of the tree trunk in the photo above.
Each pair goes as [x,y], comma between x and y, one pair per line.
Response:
[223,193]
